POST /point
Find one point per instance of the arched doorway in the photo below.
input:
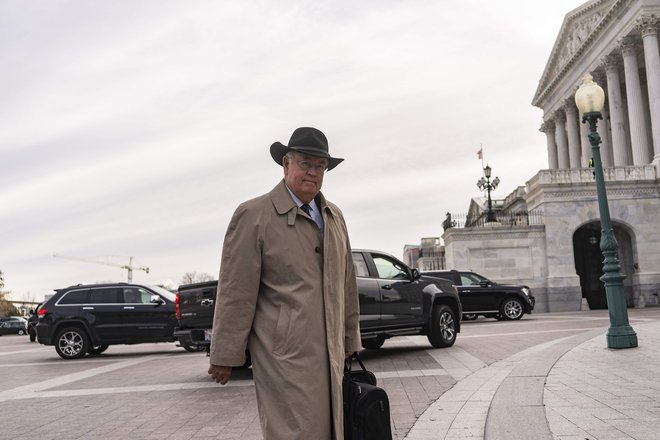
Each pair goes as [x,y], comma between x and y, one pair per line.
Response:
[589,262]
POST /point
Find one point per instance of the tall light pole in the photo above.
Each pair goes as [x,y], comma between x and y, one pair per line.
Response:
[486,184]
[590,99]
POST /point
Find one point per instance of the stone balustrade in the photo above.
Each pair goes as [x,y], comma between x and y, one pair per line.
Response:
[585,175]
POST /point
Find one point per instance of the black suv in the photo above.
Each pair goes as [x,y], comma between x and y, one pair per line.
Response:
[88,318]
[481,296]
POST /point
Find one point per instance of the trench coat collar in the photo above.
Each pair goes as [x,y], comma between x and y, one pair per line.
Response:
[284,204]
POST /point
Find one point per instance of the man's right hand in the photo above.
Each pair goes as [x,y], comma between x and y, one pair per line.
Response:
[220,374]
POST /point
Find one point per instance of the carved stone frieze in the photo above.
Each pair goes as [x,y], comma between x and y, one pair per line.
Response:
[611,193]
[629,45]
[600,77]
[547,127]
[577,37]
[579,31]
[476,235]
[611,61]
[648,25]
[585,175]
[569,106]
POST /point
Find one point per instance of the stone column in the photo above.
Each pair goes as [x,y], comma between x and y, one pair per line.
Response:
[562,141]
[548,127]
[584,143]
[639,140]
[617,114]
[648,26]
[573,132]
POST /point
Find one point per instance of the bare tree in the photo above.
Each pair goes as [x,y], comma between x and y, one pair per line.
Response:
[194,277]
[6,308]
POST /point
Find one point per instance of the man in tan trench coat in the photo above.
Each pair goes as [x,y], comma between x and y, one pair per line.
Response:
[287,290]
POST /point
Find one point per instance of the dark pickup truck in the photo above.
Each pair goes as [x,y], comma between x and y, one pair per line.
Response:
[395,300]
[481,296]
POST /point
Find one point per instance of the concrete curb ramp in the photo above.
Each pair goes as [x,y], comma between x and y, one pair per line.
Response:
[500,401]
[573,388]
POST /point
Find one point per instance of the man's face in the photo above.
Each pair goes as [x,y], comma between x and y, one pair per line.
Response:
[304,175]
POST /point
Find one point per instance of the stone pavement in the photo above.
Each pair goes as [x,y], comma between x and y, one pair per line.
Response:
[547,376]
[572,388]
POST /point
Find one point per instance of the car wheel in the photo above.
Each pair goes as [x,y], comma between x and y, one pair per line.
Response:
[21,332]
[193,348]
[443,327]
[98,349]
[373,343]
[72,343]
[512,309]
[469,316]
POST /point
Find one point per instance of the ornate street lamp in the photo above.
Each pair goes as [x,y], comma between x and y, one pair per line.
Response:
[590,99]
[488,186]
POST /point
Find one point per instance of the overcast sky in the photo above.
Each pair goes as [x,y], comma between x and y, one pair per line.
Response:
[134,128]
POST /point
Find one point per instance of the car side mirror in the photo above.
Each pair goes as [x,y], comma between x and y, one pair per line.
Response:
[484,284]
[155,299]
[415,274]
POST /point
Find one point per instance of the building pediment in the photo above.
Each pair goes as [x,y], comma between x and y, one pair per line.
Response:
[577,33]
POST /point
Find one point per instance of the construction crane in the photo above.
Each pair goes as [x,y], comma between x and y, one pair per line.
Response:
[129,267]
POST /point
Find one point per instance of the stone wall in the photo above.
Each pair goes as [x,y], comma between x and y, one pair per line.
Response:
[505,254]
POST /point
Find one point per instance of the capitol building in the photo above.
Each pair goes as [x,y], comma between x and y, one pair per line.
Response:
[547,232]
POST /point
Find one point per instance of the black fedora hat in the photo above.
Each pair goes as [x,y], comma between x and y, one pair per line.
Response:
[305,140]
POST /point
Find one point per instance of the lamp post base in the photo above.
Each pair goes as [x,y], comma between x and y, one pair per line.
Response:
[621,337]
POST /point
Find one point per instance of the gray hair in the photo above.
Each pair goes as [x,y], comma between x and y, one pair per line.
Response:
[289,155]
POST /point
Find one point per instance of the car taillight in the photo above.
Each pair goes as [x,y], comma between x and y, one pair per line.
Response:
[177,308]
[42,312]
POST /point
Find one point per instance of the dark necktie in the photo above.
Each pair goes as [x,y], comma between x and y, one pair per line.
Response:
[305,207]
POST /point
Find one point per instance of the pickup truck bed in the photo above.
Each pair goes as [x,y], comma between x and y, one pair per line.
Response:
[195,304]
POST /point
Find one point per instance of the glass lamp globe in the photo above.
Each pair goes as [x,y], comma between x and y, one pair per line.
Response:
[589,97]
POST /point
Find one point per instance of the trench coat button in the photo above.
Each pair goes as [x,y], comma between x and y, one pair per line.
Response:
[318,250]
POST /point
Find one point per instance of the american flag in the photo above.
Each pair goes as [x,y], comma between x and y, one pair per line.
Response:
[480,153]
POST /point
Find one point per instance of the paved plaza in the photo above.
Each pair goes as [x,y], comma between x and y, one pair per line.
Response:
[547,376]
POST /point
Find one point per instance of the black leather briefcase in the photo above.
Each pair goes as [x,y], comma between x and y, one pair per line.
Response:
[366,406]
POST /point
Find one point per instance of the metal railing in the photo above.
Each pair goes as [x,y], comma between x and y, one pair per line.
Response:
[509,218]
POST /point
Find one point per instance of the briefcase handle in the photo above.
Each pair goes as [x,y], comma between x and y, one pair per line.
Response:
[348,362]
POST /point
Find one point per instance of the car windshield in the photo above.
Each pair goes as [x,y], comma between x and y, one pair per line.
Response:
[472,279]
[163,292]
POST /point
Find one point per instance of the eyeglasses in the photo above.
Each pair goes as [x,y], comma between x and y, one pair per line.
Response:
[307,165]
